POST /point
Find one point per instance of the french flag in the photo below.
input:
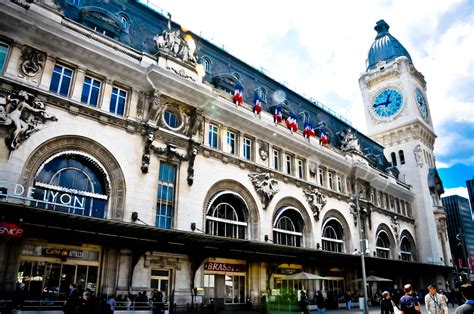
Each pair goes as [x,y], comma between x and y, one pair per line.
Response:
[257,105]
[291,123]
[277,115]
[324,138]
[308,130]
[238,98]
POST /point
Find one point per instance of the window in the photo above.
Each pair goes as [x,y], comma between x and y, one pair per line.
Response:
[262,94]
[212,136]
[165,196]
[276,159]
[72,183]
[339,184]
[171,119]
[394,159]
[230,143]
[300,168]
[330,180]
[3,56]
[233,284]
[287,229]
[382,245]
[118,101]
[61,80]
[404,211]
[247,148]
[90,91]
[289,164]
[124,20]
[397,203]
[402,157]
[237,76]
[206,63]
[321,176]
[226,216]
[332,238]
[405,250]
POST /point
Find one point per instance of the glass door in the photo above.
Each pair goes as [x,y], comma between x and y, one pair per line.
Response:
[160,280]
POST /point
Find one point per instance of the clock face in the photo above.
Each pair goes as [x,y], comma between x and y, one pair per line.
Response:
[387,103]
[420,100]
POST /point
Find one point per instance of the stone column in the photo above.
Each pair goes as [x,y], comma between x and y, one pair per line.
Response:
[78,84]
[110,265]
[47,73]
[107,94]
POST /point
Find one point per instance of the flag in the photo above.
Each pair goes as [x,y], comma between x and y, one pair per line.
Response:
[238,98]
[277,115]
[257,105]
[324,138]
[308,130]
[291,123]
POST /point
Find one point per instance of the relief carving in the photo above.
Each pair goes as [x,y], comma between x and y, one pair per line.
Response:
[156,107]
[316,201]
[263,150]
[418,151]
[24,115]
[195,122]
[32,61]
[140,105]
[349,141]
[265,186]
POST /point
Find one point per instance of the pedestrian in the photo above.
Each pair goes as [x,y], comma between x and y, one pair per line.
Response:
[321,303]
[467,291]
[386,304]
[72,299]
[445,299]
[112,303]
[19,297]
[348,299]
[434,302]
[128,302]
[409,304]
[304,302]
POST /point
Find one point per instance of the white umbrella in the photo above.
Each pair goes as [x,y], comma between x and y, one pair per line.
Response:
[303,276]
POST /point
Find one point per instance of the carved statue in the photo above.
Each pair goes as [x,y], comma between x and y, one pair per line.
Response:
[395,224]
[33,61]
[313,168]
[418,151]
[25,115]
[316,201]
[147,152]
[195,122]
[265,185]
[173,43]
[156,107]
[263,150]
[192,153]
[349,141]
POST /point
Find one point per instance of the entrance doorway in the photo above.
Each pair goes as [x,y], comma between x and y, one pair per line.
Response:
[160,280]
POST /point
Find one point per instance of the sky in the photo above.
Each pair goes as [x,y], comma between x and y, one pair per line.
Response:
[319,48]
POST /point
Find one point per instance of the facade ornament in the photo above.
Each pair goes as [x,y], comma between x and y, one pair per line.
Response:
[156,107]
[263,150]
[192,153]
[170,151]
[147,152]
[24,114]
[418,151]
[195,122]
[316,201]
[32,61]
[172,42]
[313,168]
[265,186]
[395,225]
[140,105]
[349,141]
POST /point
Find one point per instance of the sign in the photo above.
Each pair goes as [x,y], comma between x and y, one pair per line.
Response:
[50,251]
[9,230]
[469,262]
[230,268]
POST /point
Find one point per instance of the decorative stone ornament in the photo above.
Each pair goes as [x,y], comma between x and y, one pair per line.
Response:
[24,115]
[316,201]
[349,141]
[263,150]
[418,151]
[395,225]
[265,186]
[32,61]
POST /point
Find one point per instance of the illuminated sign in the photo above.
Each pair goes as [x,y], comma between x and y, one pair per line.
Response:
[52,251]
[230,268]
[9,230]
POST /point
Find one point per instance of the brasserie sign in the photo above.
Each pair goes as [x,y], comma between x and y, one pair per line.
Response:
[231,268]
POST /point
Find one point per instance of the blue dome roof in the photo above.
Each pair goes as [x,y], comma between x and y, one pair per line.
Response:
[385,47]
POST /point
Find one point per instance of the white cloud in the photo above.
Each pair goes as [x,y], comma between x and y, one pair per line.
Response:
[461,191]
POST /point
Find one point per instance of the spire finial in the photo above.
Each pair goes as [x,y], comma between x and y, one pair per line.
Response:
[381,27]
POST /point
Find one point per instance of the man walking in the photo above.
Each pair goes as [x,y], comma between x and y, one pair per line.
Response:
[434,302]
[467,292]
[409,303]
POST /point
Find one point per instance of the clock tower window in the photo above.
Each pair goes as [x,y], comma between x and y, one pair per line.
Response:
[394,159]
[402,157]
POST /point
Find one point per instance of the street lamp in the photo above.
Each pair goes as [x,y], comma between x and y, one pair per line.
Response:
[354,204]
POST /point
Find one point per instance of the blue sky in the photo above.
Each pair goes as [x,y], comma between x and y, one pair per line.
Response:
[319,48]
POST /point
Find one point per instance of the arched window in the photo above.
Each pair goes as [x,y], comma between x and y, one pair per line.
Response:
[333,236]
[226,216]
[405,249]
[237,76]
[288,227]
[382,245]
[72,182]
[125,20]
[206,63]
[262,93]
[394,159]
[402,157]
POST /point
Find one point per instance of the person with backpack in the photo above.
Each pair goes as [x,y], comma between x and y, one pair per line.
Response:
[409,303]
[467,291]
[434,302]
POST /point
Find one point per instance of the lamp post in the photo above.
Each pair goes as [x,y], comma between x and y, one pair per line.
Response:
[354,204]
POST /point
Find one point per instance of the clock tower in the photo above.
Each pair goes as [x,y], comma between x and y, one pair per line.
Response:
[398,117]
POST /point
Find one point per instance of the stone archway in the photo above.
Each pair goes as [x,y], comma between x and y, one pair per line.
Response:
[337,215]
[87,146]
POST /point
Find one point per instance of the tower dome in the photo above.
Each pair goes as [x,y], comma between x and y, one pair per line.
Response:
[385,47]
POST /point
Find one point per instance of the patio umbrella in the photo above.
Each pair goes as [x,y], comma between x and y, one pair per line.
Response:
[303,276]
[373,278]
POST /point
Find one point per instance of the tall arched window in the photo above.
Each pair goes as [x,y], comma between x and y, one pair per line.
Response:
[227,216]
[72,182]
[262,93]
[333,236]
[288,227]
[394,159]
[382,245]
[206,63]
[402,157]
[405,249]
